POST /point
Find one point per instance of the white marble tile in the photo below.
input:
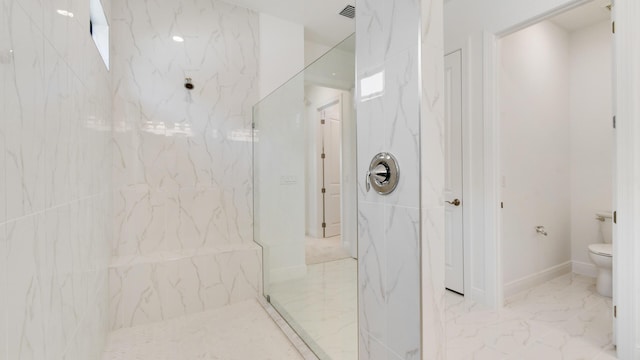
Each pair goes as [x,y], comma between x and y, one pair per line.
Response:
[26,289]
[516,333]
[373,349]
[557,345]
[140,219]
[323,307]
[57,15]
[192,146]
[370,139]
[6,63]
[385,28]
[3,292]
[240,331]
[607,354]
[433,293]
[391,123]
[34,8]
[65,303]
[24,112]
[372,265]
[402,293]
[55,133]
[143,292]
[59,163]
[432,133]
[401,119]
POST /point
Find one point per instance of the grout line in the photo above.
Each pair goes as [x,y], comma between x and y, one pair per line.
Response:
[52,208]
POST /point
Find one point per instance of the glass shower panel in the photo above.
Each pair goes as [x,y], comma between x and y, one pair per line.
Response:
[305,204]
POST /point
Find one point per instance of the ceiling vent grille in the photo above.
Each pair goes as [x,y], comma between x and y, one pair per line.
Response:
[348,11]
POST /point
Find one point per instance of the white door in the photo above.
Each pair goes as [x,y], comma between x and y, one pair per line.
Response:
[454,245]
[331,150]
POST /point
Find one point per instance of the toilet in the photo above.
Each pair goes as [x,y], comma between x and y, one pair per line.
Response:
[602,255]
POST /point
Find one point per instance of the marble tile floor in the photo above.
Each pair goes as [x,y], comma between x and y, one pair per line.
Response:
[236,332]
[322,250]
[564,318]
[322,307]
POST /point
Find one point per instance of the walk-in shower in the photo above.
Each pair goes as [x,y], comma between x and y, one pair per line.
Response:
[305,205]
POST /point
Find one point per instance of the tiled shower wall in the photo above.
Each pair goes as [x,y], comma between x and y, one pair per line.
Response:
[55,182]
[182,159]
[396,286]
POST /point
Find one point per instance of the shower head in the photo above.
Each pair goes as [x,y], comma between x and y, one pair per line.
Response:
[188,84]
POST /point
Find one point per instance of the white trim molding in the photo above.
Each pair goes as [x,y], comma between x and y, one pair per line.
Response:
[627,193]
[538,278]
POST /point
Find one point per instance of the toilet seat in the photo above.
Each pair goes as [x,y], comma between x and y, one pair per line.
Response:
[601,249]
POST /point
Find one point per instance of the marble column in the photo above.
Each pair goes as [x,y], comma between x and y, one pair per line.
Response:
[399,57]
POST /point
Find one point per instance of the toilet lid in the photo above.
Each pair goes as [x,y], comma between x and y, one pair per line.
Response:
[601,249]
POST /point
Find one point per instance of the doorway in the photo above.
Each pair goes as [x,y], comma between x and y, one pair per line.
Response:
[555,178]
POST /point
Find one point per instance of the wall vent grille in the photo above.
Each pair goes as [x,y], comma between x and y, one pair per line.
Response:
[349,11]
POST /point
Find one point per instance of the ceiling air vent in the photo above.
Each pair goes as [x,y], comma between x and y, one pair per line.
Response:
[348,11]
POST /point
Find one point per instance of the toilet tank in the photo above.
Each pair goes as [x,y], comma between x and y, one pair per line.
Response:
[606,226]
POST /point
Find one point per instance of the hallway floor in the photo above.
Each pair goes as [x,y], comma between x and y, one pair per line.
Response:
[564,318]
[236,332]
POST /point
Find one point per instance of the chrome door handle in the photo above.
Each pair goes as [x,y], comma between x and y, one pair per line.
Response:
[455,202]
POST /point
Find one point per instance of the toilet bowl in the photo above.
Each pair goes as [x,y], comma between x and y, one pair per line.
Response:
[602,256]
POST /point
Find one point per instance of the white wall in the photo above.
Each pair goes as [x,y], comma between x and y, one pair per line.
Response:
[282,52]
[591,138]
[534,133]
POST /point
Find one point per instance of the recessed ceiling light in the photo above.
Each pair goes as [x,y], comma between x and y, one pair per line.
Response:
[65,13]
[177,38]
[334,74]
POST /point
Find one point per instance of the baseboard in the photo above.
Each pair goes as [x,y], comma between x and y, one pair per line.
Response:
[285,274]
[586,269]
[538,278]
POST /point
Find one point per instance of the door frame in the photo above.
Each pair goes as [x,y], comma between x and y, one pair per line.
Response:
[627,192]
[334,100]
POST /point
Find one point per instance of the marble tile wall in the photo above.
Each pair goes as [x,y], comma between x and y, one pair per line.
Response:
[55,182]
[161,288]
[182,164]
[182,159]
[432,179]
[393,229]
[387,43]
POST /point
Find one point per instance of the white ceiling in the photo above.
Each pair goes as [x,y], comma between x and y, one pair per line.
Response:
[321,18]
[585,15]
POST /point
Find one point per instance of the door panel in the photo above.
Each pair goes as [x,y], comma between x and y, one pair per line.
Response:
[454,244]
[332,139]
